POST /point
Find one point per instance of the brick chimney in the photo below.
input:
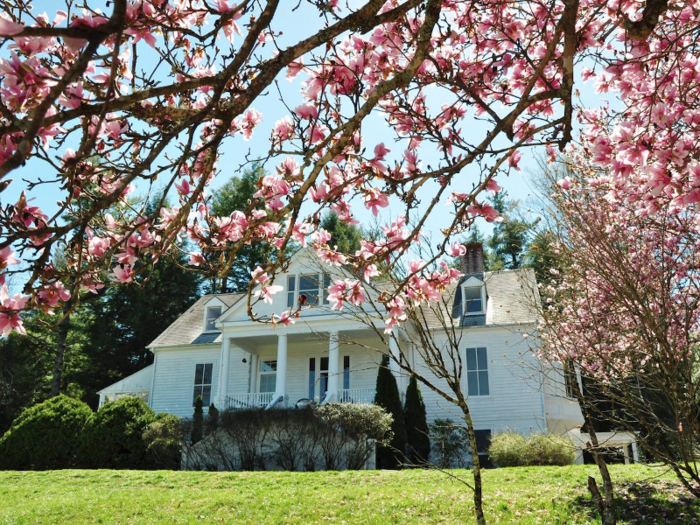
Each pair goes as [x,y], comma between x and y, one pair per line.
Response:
[472,262]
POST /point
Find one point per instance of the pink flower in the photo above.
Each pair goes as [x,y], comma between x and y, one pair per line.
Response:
[306,111]
[286,319]
[515,159]
[9,28]
[374,199]
[457,249]
[9,312]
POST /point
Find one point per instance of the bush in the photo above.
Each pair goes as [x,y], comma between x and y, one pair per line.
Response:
[450,443]
[417,438]
[390,456]
[211,423]
[113,437]
[45,436]
[332,437]
[510,449]
[163,439]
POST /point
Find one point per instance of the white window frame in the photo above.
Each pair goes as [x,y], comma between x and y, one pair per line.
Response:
[322,290]
[477,370]
[205,329]
[482,289]
[203,384]
[261,373]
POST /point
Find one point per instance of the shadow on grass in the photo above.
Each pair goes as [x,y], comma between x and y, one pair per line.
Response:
[660,502]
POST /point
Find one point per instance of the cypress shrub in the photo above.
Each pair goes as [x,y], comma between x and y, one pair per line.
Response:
[390,456]
[113,437]
[197,422]
[45,436]
[417,438]
[211,423]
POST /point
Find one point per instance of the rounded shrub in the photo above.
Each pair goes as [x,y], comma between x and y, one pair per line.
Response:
[45,436]
[163,439]
[510,449]
[113,437]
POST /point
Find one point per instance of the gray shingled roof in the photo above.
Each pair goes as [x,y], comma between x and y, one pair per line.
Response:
[187,329]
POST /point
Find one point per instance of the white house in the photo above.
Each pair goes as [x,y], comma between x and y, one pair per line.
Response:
[216,351]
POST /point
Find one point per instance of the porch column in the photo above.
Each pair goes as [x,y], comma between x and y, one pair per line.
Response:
[281,377]
[635,452]
[394,366]
[333,365]
[223,375]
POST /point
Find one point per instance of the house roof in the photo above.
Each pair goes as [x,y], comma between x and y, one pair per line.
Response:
[187,329]
[511,299]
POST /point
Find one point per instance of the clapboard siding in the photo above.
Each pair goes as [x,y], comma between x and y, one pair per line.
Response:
[173,380]
[515,399]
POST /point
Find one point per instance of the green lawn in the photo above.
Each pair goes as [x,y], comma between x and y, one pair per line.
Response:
[525,495]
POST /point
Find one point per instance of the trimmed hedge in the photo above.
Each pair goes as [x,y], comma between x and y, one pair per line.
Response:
[45,436]
[113,437]
[510,449]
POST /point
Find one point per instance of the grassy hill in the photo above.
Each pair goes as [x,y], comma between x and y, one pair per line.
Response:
[545,495]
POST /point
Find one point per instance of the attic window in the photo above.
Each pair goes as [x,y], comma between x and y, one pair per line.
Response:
[473,300]
[212,313]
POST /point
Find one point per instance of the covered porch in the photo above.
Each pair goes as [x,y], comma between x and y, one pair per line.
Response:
[294,368]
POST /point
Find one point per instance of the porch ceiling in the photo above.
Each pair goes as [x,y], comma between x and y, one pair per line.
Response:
[365,338]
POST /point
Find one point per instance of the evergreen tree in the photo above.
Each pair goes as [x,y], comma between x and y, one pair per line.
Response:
[236,195]
[417,438]
[212,421]
[197,421]
[345,236]
[509,240]
[387,397]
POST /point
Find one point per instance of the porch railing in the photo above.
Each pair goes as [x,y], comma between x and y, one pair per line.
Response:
[252,400]
[356,395]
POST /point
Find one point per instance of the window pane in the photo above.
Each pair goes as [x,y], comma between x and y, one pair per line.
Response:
[471,358]
[473,383]
[323,385]
[312,377]
[212,313]
[267,382]
[326,284]
[268,366]
[291,287]
[483,383]
[346,372]
[207,374]
[206,396]
[308,285]
[472,299]
[198,374]
[324,364]
[481,359]
[197,393]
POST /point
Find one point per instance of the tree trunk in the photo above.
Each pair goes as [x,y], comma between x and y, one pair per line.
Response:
[476,467]
[59,358]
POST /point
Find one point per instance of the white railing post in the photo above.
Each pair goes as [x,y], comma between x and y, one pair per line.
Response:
[281,377]
[333,366]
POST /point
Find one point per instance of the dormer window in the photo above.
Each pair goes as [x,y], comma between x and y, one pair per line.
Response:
[212,313]
[311,286]
[473,297]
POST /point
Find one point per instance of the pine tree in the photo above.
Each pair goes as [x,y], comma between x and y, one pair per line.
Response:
[212,421]
[197,421]
[387,397]
[417,438]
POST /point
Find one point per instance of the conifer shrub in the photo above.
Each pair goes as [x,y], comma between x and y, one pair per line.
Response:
[417,437]
[211,422]
[45,436]
[197,422]
[113,436]
[392,455]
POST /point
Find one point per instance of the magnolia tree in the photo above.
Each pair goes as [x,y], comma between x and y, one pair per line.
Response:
[150,92]
[626,312]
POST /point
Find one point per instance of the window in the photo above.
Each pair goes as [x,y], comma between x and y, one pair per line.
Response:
[312,286]
[202,383]
[318,377]
[268,376]
[477,372]
[346,372]
[291,290]
[473,302]
[569,380]
[212,313]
